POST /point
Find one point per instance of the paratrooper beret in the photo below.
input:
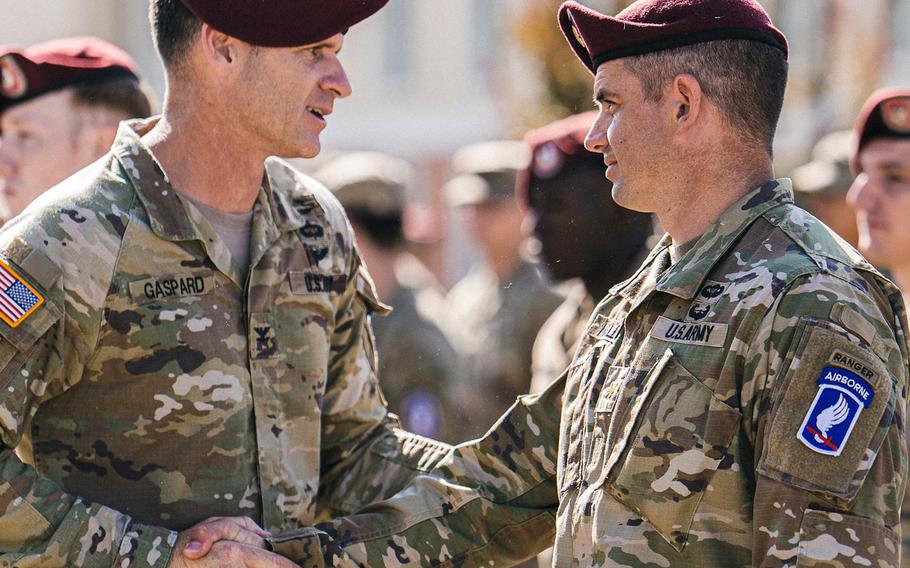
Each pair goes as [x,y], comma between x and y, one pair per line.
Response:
[557,148]
[655,25]
[46,67]
[885,115]
[283,23]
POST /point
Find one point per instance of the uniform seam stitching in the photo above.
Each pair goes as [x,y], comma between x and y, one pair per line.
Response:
[121,245]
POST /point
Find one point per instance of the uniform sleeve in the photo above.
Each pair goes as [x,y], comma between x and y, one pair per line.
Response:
[365,456]
[827,377]
[40,524]
[492,499]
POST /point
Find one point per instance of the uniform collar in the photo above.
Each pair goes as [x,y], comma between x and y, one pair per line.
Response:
[168,215]
[684,277]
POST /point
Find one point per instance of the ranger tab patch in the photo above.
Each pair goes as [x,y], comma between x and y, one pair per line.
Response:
[17,299]
[841,397]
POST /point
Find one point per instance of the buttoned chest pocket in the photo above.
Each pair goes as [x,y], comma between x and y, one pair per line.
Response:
[678,437]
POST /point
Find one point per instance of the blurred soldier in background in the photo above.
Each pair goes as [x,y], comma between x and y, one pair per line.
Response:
[583,234]
[60,104]
[880,195]
[820,186]
[416,362]
[495,312]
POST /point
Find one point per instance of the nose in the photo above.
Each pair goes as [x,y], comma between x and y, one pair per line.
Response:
[337,81]
[596,139]
[862,193]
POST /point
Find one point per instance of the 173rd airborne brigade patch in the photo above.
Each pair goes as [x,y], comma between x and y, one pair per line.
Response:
[842,395]
[828,421]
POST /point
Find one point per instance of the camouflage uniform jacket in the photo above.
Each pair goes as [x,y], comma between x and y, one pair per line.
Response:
[155,387]
[678,437]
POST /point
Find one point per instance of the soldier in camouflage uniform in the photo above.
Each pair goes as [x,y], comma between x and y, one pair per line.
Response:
[739,401]
[880,197]
[151,378]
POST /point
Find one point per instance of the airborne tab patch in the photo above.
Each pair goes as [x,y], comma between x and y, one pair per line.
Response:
[841,397]
[691,333]
[17,298]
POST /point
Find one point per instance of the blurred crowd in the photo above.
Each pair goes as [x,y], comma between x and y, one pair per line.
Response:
[549,241]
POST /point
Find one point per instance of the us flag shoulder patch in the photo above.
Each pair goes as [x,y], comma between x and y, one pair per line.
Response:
[17,299]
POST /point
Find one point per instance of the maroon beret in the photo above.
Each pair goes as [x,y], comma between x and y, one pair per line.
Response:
[29,73]
[885,115]
[655,25]
[283,23]
[557,148]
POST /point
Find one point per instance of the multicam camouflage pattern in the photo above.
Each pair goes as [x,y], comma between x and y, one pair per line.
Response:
[676,446]
[492,326]
[157,387]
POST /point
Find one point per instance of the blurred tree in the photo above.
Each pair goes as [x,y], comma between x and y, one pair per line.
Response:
[566,82]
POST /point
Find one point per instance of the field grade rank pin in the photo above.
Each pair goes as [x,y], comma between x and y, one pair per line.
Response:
[841,396]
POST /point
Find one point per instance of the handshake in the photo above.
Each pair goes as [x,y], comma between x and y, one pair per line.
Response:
[225,541]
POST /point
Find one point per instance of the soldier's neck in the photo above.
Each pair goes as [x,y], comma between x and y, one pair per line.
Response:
[202,161]
[706,193]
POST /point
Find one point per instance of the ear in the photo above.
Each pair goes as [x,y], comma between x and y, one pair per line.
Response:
[686,99]
[219,48]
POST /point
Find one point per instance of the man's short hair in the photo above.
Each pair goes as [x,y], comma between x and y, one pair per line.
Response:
[745,79]
[174,28]
[125,96]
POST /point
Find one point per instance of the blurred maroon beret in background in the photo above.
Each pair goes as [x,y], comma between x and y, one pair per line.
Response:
[886,114]
[45,67]
[283,23]
[655,25]
[557,148]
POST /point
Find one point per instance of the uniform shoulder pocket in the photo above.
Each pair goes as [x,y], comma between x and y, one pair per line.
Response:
[836,407]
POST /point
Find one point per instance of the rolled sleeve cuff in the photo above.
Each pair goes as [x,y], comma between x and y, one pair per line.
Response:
[145,546]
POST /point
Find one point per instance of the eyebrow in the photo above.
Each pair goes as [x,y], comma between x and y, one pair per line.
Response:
[601,95]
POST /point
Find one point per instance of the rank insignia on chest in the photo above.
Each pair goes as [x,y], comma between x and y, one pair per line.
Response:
[841,396]
[17,299]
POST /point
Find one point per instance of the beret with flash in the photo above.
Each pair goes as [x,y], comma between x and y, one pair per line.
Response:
[654,25]
[556,149]
[49,66]
[283,23]
[885,115]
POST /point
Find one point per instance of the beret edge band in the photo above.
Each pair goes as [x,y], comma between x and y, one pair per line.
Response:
[686,40]
[97,76]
